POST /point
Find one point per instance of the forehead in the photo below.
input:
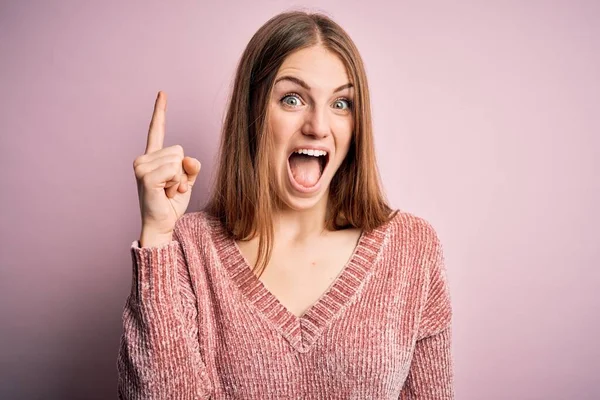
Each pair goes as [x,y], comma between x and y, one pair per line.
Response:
[317,66]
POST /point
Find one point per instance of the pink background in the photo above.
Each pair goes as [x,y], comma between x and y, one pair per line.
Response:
[487,118]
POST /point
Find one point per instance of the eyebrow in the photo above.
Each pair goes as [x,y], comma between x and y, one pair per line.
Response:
[300,82]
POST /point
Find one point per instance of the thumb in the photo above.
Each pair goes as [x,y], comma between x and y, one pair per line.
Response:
[191,166]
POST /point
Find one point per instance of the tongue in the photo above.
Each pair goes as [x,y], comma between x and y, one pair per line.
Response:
[305,169]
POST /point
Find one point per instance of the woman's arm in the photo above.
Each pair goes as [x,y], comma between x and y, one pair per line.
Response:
[431,375]
[159,354]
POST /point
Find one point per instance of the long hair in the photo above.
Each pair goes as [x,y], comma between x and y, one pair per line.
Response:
[243,198]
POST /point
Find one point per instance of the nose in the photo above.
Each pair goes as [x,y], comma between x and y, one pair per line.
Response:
[316,124]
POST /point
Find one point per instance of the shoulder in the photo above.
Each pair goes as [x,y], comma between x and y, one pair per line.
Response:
[416,243]
[412,240]
[412,229]
[195,226]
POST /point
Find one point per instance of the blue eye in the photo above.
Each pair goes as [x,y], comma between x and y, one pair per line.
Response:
[291,96]
[341,101]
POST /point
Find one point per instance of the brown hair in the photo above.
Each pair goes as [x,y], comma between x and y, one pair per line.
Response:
[243,198]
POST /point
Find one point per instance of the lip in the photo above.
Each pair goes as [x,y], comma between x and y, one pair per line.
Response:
[295,184]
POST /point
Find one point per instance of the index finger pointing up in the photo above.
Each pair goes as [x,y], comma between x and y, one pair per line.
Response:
[156,132]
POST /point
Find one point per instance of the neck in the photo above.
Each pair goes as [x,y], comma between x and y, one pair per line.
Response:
[300,225]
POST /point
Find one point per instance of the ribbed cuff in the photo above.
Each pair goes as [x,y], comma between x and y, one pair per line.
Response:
[154,272]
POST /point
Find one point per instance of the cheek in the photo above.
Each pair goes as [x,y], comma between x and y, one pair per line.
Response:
[281,128]
[283,125]
[344,136]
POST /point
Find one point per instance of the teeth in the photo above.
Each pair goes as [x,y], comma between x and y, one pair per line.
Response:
[311,152]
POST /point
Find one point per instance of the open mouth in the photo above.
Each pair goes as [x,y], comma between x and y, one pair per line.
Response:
[307,166]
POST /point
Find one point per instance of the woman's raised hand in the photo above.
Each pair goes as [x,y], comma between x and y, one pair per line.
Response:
[164,180]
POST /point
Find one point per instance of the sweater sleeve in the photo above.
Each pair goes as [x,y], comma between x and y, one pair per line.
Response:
[159,355]
[431,375]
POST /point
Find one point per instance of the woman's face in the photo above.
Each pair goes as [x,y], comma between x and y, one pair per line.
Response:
[310,117]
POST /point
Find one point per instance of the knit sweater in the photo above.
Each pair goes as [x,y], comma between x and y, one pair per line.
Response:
[199,324]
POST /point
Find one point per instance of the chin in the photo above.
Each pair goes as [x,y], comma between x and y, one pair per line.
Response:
[294,202]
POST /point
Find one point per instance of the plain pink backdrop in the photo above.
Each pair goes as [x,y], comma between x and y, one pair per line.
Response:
[487,124]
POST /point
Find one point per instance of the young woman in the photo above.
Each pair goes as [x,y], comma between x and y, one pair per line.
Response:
[297,281]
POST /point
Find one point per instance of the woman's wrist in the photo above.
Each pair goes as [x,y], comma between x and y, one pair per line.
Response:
[149,238]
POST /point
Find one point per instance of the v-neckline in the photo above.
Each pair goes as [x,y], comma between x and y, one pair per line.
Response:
[301,332]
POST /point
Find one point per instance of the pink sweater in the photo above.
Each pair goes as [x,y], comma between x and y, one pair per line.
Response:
[199,324]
